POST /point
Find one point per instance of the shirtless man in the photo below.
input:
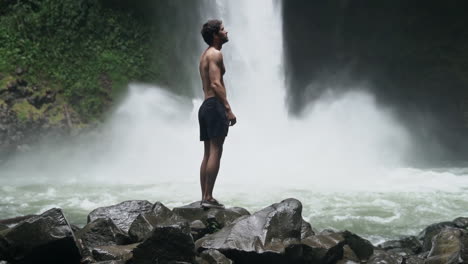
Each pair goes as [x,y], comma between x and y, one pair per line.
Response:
[215,114]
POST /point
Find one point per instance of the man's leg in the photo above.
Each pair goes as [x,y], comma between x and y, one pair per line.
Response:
[212,166]
[206,155]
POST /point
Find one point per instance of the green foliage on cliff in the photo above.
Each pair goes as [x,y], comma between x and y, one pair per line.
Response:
[86,49]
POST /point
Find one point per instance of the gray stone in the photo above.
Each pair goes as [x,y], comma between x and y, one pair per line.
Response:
[360,246]
[102,232]
[166,244]
[414,260]
[429,232]
[144,224]
[46,238]
[123,214]
[213,256]
[198,229]
[75,228]
[461,222]
[383,257]
[111,262]
[306,229]
[3,227]
[11,222]
[447,247]
[269,235]
[223,217]
[410,243]
[123,253]
[345,261]
[323,248]
[349,256]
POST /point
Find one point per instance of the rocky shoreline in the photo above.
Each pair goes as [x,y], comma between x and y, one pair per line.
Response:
[139,232]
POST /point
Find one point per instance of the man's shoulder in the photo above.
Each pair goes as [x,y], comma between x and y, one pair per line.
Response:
[214,54]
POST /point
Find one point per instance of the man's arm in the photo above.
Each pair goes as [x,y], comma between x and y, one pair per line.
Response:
[214,73]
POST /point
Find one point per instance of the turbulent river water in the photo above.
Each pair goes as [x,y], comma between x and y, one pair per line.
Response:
[347,159]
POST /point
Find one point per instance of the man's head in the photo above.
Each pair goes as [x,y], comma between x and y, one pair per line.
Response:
[213,30]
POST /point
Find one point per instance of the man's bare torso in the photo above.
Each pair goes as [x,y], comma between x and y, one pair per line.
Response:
[211,58]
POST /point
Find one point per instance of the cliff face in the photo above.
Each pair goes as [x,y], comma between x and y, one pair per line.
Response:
[412,55]
[63,64]
[30,113]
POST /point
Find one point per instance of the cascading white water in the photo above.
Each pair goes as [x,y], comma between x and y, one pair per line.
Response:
[344,159]
[335,137]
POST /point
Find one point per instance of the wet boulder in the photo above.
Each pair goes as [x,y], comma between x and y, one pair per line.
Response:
[461,222]
[142,227]
[448,247]
[122,252]
[223,217]
[144,223]
[323,249]
[306,229]
[102,232]
[11,222]
[360,246]
[198,229]
[111,262]
[413,260]
[271,235]
[75,228]
[429,232]
[46,238]
[122,214]
[349,256]
[381,256]
[406,246]
[213,256]
[166,244]
[330,246]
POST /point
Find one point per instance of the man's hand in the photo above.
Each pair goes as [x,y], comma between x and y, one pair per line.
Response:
[231,117]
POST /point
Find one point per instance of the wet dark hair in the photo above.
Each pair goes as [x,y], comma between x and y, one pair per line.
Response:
[209,28]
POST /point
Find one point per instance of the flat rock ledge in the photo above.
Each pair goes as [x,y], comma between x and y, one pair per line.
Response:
[140,232]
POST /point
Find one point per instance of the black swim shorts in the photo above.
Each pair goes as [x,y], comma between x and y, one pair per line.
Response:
[212,119]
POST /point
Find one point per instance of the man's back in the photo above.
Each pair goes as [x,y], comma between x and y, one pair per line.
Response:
[211,70]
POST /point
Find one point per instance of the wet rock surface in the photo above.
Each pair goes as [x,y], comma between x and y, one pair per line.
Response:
[429,232]
[166,244]
[122,253]
[323,248]
[213,256]
[405,246]
[102,232]
[380,257]
[271,234]
[122,214]
[448,246]
[222,217]
[276,234]
[145,223]
[46,238]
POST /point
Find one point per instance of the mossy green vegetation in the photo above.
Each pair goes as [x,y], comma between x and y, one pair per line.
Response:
[4,82]
[85,50]
[25,111]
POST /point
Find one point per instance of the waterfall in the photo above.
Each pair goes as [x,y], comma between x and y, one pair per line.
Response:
[344,157]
